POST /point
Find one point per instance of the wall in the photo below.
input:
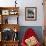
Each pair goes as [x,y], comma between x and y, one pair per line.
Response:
[37,25]
[32,3]
[27,3]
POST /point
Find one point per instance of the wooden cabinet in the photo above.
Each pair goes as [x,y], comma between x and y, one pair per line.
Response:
[6,27]
[45,13]
[44,22]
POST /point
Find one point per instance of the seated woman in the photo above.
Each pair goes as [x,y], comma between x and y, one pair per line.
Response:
[30,38]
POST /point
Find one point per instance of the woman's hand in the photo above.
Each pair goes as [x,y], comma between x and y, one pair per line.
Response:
[32,41]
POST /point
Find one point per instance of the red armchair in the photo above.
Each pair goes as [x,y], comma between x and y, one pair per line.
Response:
[28,37]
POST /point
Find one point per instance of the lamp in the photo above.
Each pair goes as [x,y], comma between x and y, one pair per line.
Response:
[15,3]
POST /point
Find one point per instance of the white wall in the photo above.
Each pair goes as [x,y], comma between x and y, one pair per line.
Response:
[27,3]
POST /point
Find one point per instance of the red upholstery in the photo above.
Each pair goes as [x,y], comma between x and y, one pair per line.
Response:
[29,33]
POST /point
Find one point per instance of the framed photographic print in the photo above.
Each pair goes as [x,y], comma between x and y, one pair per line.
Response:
[30,13]
[5,12]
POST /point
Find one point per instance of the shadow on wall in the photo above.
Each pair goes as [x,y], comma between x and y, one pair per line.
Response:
[37,29]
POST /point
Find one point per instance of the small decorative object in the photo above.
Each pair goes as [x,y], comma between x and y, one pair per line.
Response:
[13,12]
[15,35]
[31,13]
[15,30]
[5,12]
[6,21]
[15,3]
[0,12]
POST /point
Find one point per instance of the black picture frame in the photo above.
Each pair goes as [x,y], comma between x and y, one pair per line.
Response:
[30,13]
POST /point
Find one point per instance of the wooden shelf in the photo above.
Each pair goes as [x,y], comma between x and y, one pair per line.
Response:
[11,26]
[9,43]
[4,13]
[10,9]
